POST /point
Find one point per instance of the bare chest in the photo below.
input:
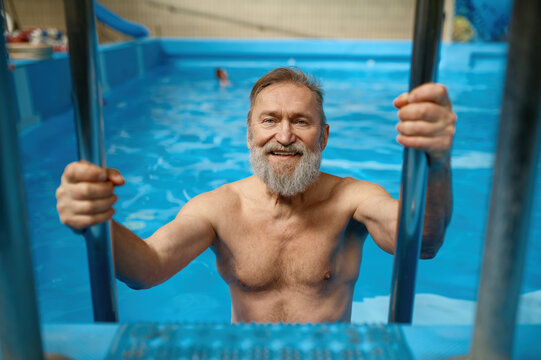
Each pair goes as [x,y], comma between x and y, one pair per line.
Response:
[303,253]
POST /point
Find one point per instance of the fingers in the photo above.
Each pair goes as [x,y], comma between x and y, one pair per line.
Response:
[427,136]
[426,120]
[424,128]
[430,92]
[84,221]
[401,100]
[68,209]
[426,111]
[115,176]
[86,190]
[86,194]
[83,213]
[431,145]
[84,171]
[92,207]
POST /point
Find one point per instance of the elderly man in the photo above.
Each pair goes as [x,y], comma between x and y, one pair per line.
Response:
[288,240]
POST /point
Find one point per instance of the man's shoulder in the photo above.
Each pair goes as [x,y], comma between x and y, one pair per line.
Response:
[226,194]
[349,192]
[347,184]
[354,195]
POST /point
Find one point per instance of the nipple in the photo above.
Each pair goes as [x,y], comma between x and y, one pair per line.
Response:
[327,275]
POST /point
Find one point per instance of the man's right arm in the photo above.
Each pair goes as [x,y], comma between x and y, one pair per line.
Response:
[86,196]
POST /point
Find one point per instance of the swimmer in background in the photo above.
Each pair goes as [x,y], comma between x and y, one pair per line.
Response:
[222,77]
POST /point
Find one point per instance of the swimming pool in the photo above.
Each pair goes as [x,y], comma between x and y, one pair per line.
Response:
[174,133]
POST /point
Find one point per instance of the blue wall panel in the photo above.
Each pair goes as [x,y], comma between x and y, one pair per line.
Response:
[121,65]
[50,85]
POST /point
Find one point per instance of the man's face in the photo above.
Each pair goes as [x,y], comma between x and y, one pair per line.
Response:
[286,138]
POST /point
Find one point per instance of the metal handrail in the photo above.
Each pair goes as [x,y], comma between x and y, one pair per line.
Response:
[83,50]
[513,184]
[20,336]
[425,54]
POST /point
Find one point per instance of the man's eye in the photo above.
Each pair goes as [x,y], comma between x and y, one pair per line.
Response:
[268,121]
[302,122]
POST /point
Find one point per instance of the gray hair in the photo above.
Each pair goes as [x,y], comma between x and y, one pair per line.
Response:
[291,75]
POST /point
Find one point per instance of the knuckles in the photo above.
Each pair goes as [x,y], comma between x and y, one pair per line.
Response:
[87,207]
[59,193]
[453,118]
[71,169]
[85,190]
[66,219]
[438,91]
[74,170]
[451,130]
[441,91]
[425,110]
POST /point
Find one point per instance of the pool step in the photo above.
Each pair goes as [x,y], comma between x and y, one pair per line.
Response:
[259,342]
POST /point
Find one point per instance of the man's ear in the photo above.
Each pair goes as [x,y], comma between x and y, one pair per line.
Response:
[248,142]
[325,137]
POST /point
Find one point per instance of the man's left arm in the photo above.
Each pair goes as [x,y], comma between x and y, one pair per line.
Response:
[427,123]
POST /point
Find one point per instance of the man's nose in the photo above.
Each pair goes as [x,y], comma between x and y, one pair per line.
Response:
[285,135]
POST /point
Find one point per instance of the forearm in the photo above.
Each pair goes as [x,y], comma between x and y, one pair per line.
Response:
[439,206]
[136,263]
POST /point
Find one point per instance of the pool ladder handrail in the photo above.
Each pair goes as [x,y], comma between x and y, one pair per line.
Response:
[83,52]
[20,336]
[513,183]
[424,68]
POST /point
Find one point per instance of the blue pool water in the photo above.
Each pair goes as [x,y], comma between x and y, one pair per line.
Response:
[175,133]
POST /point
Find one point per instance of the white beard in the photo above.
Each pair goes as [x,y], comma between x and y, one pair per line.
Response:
[289,179]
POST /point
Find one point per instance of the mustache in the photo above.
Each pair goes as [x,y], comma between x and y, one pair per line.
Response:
[294,147]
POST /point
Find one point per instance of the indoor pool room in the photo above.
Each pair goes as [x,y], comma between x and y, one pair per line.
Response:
[160,90]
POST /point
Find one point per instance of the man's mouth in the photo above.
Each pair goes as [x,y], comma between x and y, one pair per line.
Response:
[284,153]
